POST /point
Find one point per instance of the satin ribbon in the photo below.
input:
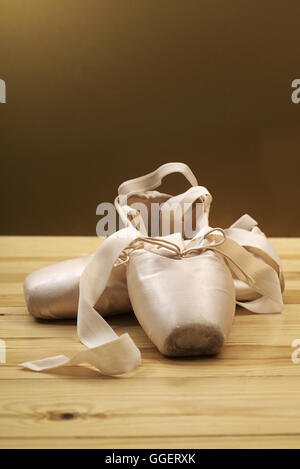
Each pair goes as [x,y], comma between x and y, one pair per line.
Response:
[113,355]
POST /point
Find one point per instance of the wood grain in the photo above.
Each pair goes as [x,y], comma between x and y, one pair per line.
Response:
[247,397]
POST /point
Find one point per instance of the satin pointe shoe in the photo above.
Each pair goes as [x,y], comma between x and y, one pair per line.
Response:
[182,290]
[53,291]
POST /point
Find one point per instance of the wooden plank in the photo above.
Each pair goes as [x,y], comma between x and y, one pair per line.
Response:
[125,407]
[13,311]
[200,442]
[235,360]
[41,247]
[260,329]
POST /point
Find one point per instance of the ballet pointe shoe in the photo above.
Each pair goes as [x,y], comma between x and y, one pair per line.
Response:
[185,305]
[52,292]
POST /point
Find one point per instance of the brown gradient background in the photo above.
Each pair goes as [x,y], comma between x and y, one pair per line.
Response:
[99,91]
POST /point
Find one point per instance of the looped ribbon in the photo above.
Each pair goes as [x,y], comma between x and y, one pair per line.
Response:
[113,354]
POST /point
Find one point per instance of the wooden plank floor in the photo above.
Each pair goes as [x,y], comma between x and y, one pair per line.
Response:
[248,397]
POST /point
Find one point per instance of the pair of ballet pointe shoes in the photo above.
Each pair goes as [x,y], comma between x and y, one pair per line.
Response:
[183,287]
